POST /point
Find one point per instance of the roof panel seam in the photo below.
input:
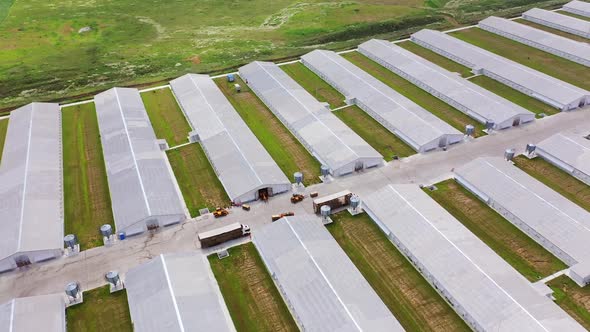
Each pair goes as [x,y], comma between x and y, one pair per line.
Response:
[25,180]
[176,311]
[323,275]
[225,129]
[467,257]
[310,112]
[147,203]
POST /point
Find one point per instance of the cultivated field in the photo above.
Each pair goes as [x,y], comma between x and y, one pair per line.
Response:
[313,84]
[3,128]
[374,133]
[432,104]
[436,58]
[100,311]
[553,31]
[87,202]
[415,304]
[572,298]
[558,180]
[514,96]
[166,116]
[45,54]
[196,178]
[249,292]
[282,146]
[515,247]
[549,64]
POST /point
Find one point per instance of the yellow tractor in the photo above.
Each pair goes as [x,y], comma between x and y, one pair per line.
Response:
[296,198]
[220,212]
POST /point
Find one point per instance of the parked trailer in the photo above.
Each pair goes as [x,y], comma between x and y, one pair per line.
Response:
[335,201]
[223,234]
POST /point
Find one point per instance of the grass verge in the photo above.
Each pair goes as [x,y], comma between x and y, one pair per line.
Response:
[547,63]
[518,249]
[101,311]
[434,105]
[252,298]
[556,179]
[282,146]
[415,304]
[514,96]
[563,12]
[166,116]
[198,182]
[87,202]
[313,84]
[553,31]
[572,298]
[3,129]
[374,133]
[436,58]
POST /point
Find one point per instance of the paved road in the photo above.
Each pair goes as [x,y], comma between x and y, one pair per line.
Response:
[89,266]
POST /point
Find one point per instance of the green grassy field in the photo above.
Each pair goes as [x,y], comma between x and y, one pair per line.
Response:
[549,64]
[572,298]
[198,182]
[434,57]
[415,304]
[553,31]
[282,146]
[434,105]
[556,179]
[166,116]
[44,56]
[514,96]
[3,129]
[252,298]
[374,133]
[515,247]
[313,84]
[100,311]
[87,202]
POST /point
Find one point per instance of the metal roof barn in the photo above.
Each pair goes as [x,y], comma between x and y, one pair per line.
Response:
[467,97]
[413,124]
[560,226]
[321,286]
[31,187]
[484,290]
[242,164]
[569,151]
[45,313]
[545,41]
[325,136]
[577,7]
[558,21]
[556,93]
[176,292]
[143,192]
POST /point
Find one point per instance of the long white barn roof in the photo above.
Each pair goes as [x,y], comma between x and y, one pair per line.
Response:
[578,7]
[140,183]
[322,132]
[569,147]
[494,296]
[558,21]
[412,122]
[319,282]
[241,162]
[482,104]
[45,313]
[552,216]
[31,184]
[543,40]
[550,89]
[176,292]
